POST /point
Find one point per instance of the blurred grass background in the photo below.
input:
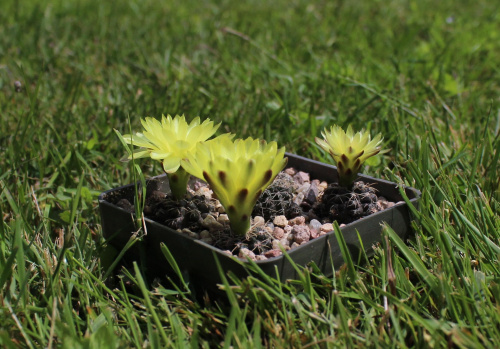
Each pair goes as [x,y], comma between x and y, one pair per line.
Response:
[423,73]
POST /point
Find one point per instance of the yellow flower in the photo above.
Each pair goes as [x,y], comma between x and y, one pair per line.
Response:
[349,150]
[170,141]
[238,172]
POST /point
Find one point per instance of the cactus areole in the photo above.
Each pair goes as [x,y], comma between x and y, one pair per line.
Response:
[238,172]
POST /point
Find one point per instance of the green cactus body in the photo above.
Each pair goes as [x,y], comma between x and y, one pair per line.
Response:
[178,181]
[238,172]
[348,167]
[349,150]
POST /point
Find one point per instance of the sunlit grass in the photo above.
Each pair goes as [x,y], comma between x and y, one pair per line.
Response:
[424,74]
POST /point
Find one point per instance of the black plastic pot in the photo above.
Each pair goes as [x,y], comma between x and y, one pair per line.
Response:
[197,260]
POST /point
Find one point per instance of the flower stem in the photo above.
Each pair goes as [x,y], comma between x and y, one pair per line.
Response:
[347,181]
[178,183]
[240,224]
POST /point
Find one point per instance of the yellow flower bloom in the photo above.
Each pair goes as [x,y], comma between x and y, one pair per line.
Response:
[238,172]
[349,150]
[170,141]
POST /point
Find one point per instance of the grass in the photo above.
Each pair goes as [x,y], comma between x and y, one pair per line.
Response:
[423,73]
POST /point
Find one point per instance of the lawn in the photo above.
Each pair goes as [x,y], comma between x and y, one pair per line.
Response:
[423,73]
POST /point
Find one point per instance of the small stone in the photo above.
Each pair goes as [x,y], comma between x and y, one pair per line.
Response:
[323,185]
[245,252]
[273,253]
[294,245]
[190,233]
[260,257]
[204,234]
[258,221]
[327,227]
[218,207]
[290,171]
[207,240]
[285,243]
[297,220]
[288,229]
[223,218]
[276,244]
[312,194]
[299,198]
[228,252]
[269,230]
[211,224]
[278,233]
[315,228]
[304,188]
[301,177]
[197,185]
[204,191]
[280,221]
[301,233]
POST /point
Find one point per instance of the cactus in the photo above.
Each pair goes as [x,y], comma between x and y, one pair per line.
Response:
[238,172]
[349,150]
[171,141]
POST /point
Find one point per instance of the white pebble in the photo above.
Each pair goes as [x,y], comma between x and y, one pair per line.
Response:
[304,188]
[280,221]
[258,221]
[299,198]
[327,227]
[245,252]
[223,219]
[205,234]
[211,224]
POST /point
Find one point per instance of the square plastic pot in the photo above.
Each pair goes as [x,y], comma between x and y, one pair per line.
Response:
[197,260]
